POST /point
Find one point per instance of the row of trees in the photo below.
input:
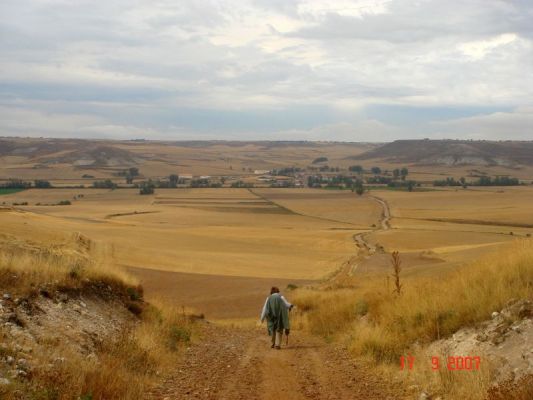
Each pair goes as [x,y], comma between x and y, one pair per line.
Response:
[324,168]
[106,184]
[398,173]
[289,171]
[498,181]
[482,181]
[149,186]
[409,185]
[130,174]
[451,182]
[337,180]
[241,184]
[20,184]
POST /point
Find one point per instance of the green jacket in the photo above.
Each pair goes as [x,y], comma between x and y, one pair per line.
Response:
[277,314]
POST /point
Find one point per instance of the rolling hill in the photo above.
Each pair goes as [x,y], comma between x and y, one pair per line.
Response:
[453,152]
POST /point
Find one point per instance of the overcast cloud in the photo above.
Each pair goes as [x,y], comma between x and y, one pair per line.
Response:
[267,69]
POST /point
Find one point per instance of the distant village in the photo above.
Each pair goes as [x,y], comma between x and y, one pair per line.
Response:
[317,175]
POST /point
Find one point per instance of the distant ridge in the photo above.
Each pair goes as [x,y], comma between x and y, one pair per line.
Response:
[80,153]
[454,152]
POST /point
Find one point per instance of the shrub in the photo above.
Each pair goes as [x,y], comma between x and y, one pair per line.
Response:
[361,307]
[147,188]
[135,294]
[320,160]
[42,184]
[107,184]
[178,334]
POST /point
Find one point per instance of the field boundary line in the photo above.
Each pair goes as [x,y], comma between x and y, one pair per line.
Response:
[290,211]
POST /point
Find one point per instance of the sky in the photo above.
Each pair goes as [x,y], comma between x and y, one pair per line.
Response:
[330,70]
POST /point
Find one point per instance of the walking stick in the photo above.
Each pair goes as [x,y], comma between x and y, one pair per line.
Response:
[287,331]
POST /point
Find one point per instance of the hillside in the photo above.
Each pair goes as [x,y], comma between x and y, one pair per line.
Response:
[75,327]
[453,152]
[67,161]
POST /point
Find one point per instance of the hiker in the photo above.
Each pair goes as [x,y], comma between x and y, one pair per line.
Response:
[276,312]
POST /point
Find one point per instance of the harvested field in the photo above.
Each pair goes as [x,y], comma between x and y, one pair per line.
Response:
[248,242]
[188,245]
[218,296]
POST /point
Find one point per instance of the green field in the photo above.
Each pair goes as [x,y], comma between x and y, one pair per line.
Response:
[9,191]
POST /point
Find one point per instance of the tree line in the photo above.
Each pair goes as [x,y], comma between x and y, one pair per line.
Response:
[482,181]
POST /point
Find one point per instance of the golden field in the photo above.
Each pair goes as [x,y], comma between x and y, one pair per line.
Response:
[214,233]
[217,251]
[204,245]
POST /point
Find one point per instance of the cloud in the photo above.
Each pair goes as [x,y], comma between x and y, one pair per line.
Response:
[514,125]
[365,130]
[479,49]
[378,69]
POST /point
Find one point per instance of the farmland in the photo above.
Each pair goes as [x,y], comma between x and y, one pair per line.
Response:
[204,229]
[194,246]
[230,219]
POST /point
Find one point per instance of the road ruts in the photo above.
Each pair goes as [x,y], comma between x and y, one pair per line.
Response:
[239,364]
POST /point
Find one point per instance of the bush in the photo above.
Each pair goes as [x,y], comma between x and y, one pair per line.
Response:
[361,307]
[107,184]
[178,334]
[147,188]
[135,294]
[320,160]
[42,184]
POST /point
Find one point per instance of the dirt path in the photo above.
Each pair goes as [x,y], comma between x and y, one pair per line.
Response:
[386,215]
[365,249]
[239,364]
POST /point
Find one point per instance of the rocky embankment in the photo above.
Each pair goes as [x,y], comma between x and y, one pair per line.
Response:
[42,334]
[504,342]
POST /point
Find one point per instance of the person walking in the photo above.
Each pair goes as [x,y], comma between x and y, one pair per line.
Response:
[276,312]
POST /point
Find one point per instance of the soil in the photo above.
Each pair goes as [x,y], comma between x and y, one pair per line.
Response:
[238,363]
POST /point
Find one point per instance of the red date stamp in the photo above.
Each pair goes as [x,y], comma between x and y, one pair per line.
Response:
[452,363]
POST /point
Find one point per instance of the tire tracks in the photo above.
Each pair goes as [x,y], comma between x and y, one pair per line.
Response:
[232,363]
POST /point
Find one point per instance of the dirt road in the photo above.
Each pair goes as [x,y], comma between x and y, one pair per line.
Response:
[386,215]
[239,364]
[365,249]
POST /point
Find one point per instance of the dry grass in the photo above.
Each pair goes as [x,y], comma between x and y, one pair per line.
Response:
[427,309]
[453,384]
[380,326]
[126,365]
[125,368]
[159,233]
[25,266]
[507,205]
[335,205]
[175,238]
[329,312]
